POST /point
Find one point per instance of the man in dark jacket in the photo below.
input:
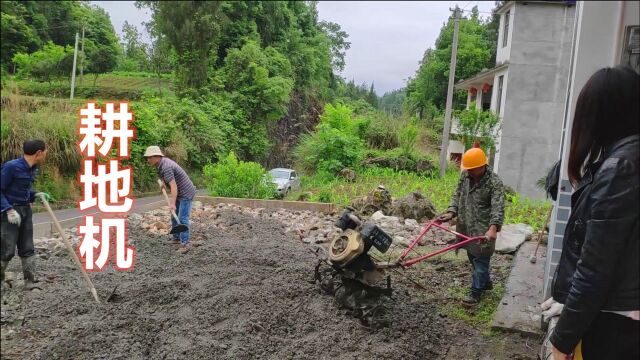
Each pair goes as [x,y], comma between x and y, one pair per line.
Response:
[478,204]
[597,278]
[602,232]
[16,226]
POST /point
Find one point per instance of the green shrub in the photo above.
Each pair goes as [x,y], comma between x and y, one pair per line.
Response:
[408,138]
[328,150]
[381,133]
[400,160]
[335,145]
[191,133]
[44,64]
[386,132]
[240,179]
[474,124]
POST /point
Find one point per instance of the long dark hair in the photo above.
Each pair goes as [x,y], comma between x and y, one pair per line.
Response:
[607,110]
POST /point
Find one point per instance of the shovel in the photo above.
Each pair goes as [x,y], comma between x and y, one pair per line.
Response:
[533,258]
[74,256]
[180,227]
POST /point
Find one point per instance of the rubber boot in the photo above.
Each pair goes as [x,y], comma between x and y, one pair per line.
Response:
[29,272]
[3,267]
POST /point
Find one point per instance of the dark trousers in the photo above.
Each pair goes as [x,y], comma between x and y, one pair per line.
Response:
[480,278]
[13,235]
[612,336]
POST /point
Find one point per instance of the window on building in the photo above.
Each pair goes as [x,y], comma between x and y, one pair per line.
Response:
[486,100]
[505,29]
[499,94]
[631,48]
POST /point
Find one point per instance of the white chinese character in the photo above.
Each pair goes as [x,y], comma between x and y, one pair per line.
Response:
[123,133]
[90,129]
[114,183]
[124,253]
[89,244]
[87,179]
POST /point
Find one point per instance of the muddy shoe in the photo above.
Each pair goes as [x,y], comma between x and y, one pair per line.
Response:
[471,300]
[31,285]
[3,267]
[184,248]
[29,272]
[489,286]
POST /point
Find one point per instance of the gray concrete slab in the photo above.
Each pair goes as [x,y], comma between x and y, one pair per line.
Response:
[519,309]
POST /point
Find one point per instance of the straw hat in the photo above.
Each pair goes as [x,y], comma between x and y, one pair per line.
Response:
[153,151]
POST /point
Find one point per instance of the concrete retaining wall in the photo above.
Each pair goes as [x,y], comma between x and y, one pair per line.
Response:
[272,204]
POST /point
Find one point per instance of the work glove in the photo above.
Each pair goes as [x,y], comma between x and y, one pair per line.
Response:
[551,308]
[445,217]
[13,217]
[45,196]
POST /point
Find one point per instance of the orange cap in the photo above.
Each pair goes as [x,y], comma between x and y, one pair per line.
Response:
[473,158]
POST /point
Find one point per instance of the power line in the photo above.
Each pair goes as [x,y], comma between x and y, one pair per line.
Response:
[464,7]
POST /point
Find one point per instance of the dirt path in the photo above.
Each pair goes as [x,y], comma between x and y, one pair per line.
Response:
[243,294]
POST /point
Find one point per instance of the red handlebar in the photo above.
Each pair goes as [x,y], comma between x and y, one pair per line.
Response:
[436,223]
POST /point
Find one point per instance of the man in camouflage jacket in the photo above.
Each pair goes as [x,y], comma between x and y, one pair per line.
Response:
[478,204]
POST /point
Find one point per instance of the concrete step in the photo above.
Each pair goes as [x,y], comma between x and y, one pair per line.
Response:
[519,309]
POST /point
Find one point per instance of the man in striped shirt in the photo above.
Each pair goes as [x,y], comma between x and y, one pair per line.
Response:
[181,188]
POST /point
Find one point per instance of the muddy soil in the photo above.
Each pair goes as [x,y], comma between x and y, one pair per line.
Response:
[244,293]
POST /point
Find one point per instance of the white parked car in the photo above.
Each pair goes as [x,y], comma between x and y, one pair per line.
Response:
[285,180]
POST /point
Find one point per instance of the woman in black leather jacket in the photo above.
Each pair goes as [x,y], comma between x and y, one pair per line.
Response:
[598,278]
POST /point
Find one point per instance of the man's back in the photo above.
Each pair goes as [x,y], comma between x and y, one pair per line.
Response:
[169,170]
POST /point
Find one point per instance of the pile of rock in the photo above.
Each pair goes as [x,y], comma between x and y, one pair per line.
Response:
[313,227]
[403,219]
[414,206]
[404,231]
[45,246]
[156,222]
[378,199]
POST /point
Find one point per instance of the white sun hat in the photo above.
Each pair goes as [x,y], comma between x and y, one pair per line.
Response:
[153,151]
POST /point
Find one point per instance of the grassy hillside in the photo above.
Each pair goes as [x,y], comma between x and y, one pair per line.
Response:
[108,87]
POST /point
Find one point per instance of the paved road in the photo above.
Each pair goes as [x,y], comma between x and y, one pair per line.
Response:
[44,218]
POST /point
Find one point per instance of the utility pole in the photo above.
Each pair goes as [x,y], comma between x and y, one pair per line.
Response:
[452,75]
[73,73]
[82,58]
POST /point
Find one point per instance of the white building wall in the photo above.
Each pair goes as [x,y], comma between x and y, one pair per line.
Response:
[494,106]
[534,104]
[597,44]
[502,53]
[455,147]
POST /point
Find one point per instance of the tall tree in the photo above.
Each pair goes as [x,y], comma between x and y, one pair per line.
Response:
[372,97]
[476,47]
[339,43]
[17,37]
[101,42]
[193,29]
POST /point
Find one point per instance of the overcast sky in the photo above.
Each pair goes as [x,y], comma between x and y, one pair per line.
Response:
[387,38]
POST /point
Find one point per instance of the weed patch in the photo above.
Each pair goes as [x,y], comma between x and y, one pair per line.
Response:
[482,313]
